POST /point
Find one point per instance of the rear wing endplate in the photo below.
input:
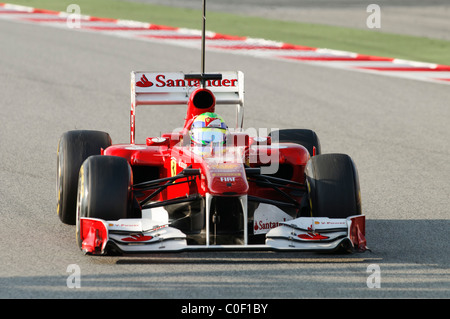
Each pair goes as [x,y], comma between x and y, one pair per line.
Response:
[173,88]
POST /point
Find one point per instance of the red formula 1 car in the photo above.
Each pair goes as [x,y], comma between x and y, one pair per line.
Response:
[206,186]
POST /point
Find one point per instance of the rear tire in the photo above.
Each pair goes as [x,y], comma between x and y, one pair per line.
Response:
[304,137]
[333,186]
[73,148]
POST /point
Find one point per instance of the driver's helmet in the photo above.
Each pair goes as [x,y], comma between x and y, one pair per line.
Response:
[208,128]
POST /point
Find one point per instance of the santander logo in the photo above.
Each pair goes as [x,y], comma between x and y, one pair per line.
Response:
[144,82]
[161,81]
[261,225]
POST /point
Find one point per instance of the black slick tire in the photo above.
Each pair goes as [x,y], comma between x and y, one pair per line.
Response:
[104,189]
[333,186]
[74,148]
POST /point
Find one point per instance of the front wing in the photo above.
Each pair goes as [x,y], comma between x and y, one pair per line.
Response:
[130,236]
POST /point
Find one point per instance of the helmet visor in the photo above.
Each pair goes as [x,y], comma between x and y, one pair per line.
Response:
[206,136]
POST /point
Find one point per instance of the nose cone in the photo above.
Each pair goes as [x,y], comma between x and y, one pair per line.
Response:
[227,179]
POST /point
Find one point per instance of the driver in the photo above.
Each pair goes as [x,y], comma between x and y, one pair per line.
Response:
[208,131]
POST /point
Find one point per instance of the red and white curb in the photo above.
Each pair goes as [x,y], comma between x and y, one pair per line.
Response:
[239,45]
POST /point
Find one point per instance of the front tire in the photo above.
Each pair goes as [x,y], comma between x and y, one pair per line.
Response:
[73,148]
[104,189]
[333,186]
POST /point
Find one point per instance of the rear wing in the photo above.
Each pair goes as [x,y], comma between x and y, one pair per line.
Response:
[174,88]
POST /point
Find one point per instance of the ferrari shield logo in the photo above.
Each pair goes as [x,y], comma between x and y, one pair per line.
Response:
[173,167]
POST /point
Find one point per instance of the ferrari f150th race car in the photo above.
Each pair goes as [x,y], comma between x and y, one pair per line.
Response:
[206,186]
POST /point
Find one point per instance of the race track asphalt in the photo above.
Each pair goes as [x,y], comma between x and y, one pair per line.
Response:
[396,130]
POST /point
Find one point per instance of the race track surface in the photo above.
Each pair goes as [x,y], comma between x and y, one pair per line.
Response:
[396,130]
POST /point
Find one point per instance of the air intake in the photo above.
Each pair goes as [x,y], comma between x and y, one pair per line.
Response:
[202,99]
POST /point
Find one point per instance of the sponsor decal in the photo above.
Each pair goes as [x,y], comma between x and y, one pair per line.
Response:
[225,167]
[123,225]
[237,174]
[267,217]
[135,147]
[157,228]
[137,238]
[265,226]
[144,82]
[161,81]
[311,235]
[210,120]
